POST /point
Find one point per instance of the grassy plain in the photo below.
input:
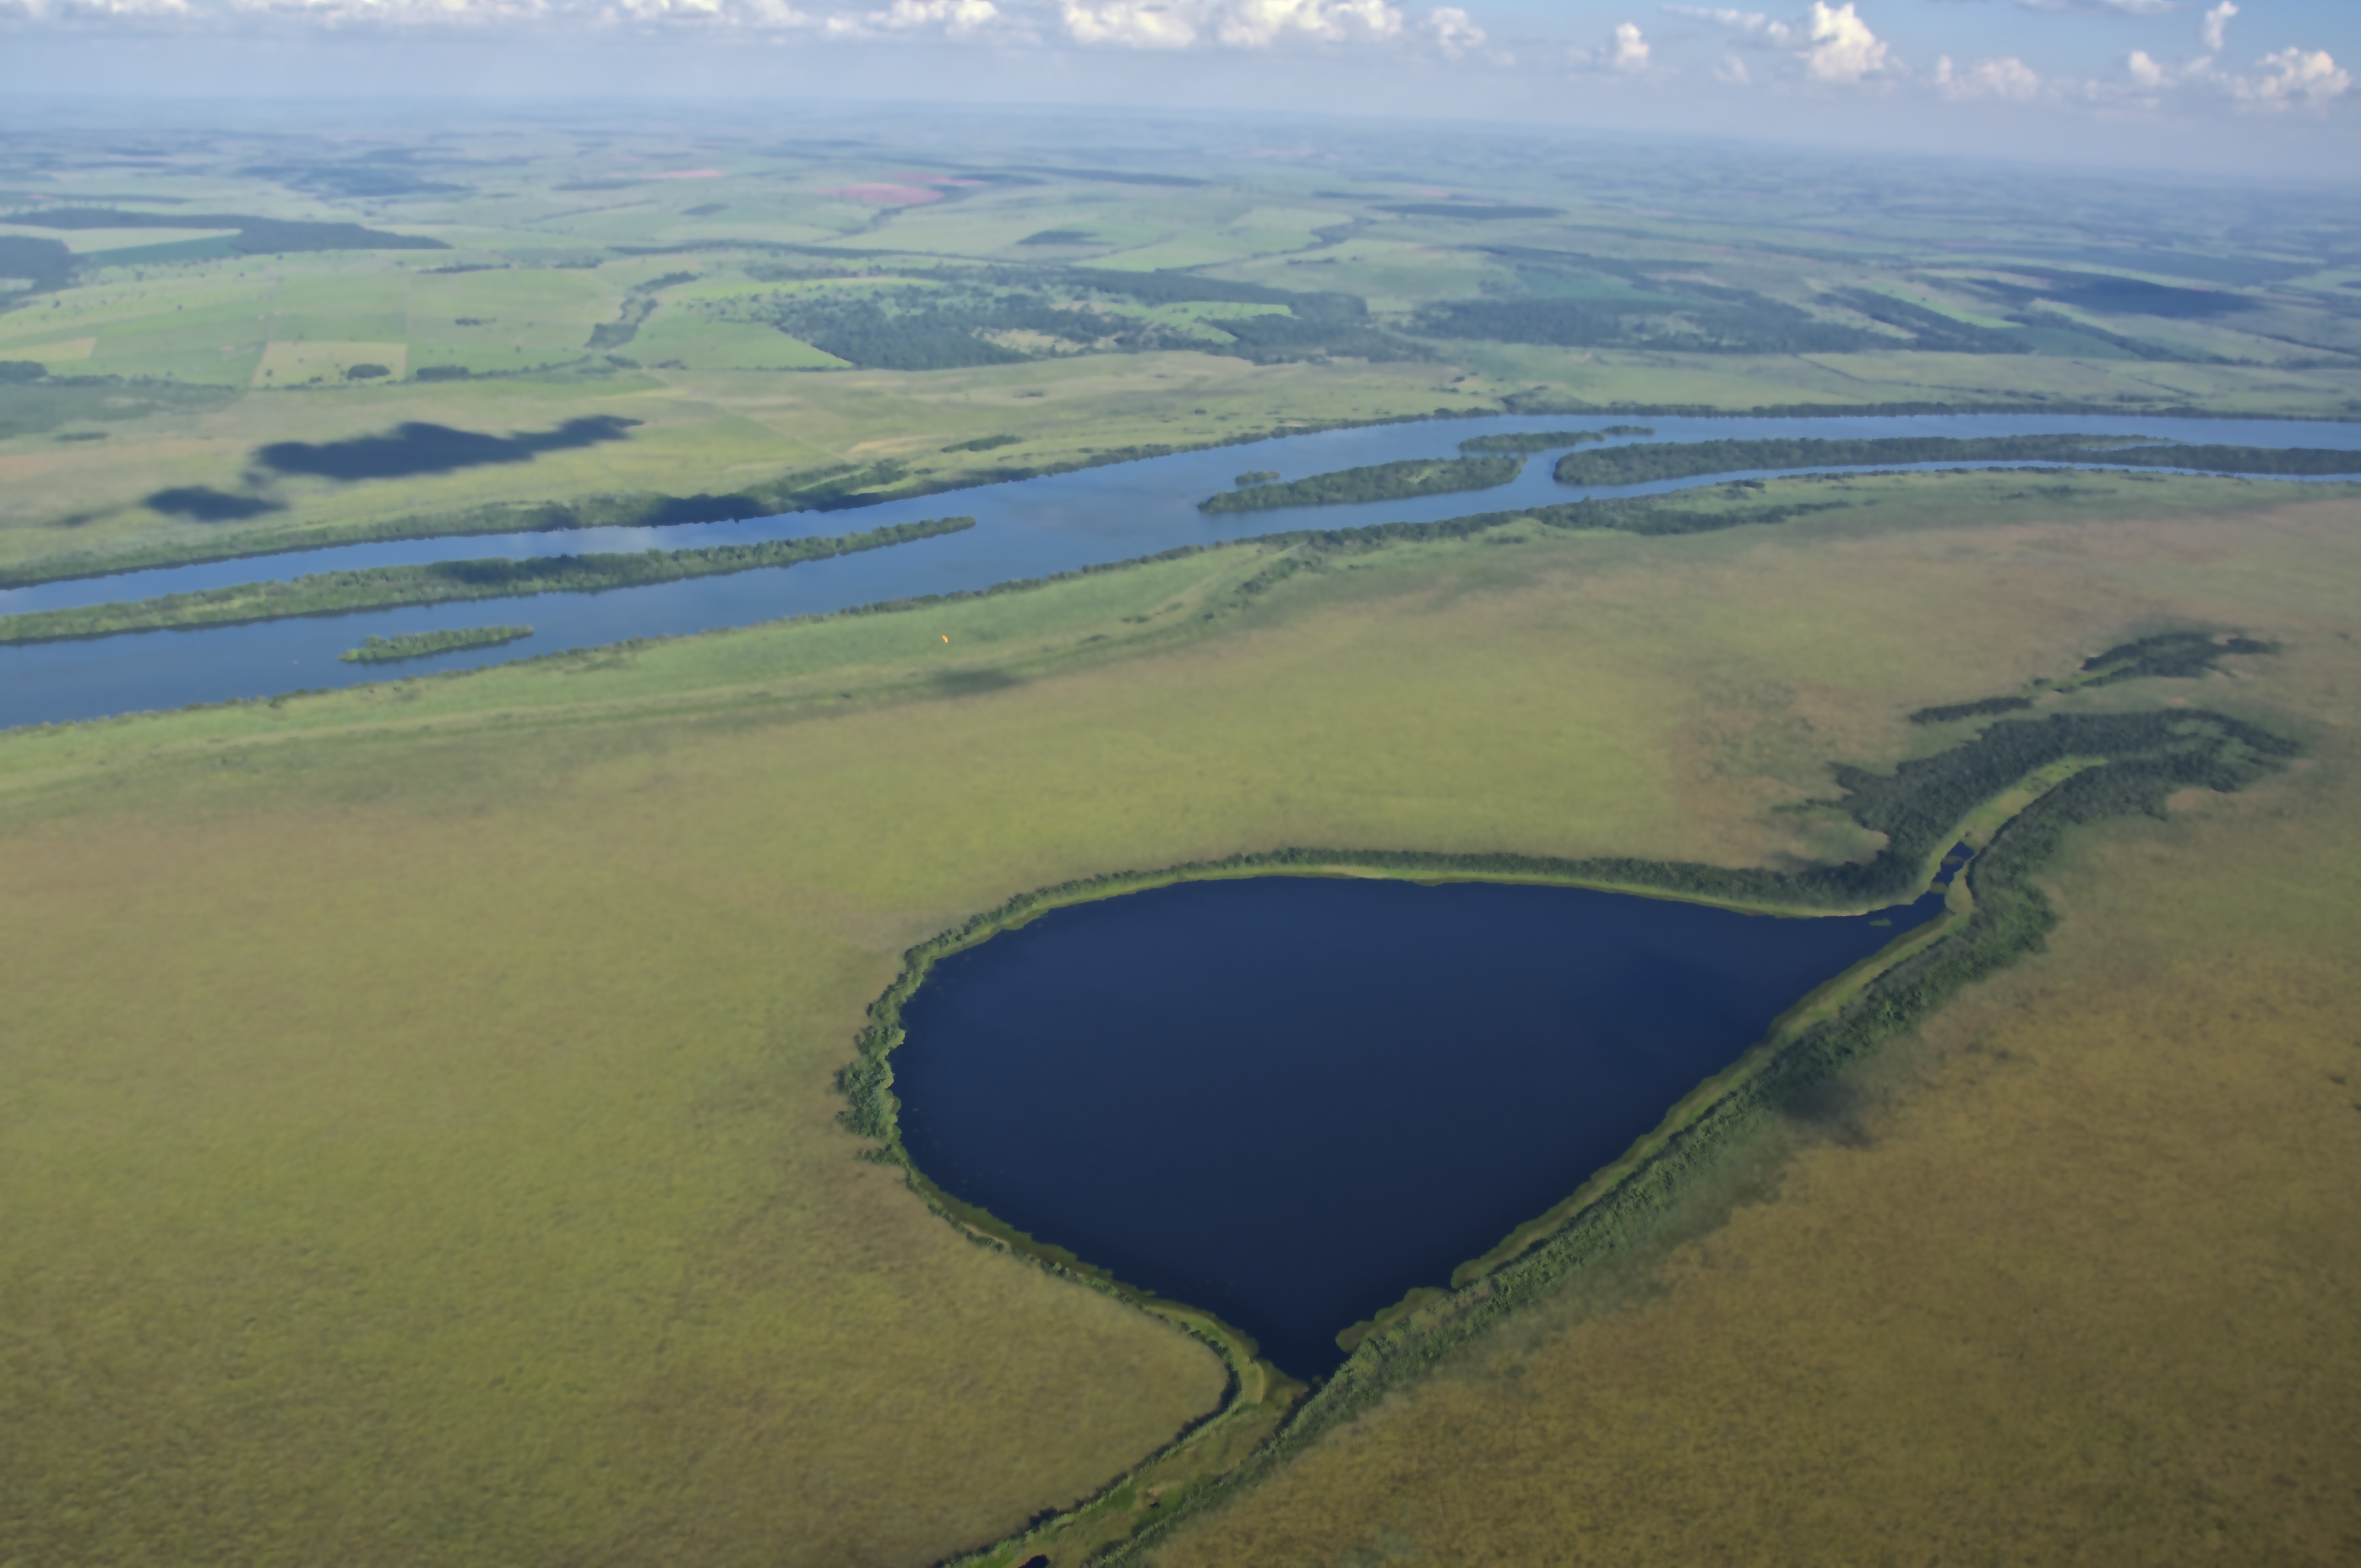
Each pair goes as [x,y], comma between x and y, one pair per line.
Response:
[421,1145]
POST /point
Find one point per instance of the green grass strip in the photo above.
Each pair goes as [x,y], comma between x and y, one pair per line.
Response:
[1648,463]
[448,582]
[419,645]
[1548,440]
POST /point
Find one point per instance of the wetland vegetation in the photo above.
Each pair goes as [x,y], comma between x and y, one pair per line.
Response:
[1377,482]
[1550,440]
[1635,465]
[420,644]
[450,581]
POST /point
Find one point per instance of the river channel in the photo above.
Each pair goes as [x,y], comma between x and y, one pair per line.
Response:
[1028,528]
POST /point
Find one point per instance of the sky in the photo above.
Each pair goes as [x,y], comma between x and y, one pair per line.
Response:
[2238,87]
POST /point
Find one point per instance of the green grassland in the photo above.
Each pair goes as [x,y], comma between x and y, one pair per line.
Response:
[423,1140]
[791,306]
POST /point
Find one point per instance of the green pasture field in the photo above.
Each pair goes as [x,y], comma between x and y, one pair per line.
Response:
[586,273]
[433,1081]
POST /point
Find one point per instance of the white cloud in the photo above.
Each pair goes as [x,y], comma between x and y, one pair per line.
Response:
[952,18]
[2006,78]
[1831,42]
[1128,24]
[1840,47]
[1455,31]
[76,9]
[1631,55]
[1239,24]
[1733,70]
[2113,7]
[2216,22]
[1258,23]
[2291,79]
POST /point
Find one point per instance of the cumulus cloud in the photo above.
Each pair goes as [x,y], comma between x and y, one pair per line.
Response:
[1630,56]
[1831,43]
[2291,79]
[1455,31]
[952,18]
[2216,25]
[1128,24]
[1258,23]
[1238,24]
[2110,7]
[2280,82]
[2006,78]
[2284,81]
[1627,53]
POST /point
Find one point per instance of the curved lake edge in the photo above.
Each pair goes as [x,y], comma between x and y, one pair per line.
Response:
[1995,914]
[1258,1398]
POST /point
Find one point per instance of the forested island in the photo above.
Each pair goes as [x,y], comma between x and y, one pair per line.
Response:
[446,582]
[420,644]
[1687,459]
[1525,442]
[1378,482]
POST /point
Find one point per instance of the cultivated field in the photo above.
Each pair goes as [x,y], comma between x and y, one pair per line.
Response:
[762,307]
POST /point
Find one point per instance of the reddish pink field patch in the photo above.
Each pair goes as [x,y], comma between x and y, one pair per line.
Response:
[887,195]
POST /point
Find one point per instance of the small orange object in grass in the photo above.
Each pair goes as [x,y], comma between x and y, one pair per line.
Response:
[947,637]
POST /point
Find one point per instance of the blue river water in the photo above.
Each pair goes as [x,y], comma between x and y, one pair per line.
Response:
[1291,1101]
[1028,528]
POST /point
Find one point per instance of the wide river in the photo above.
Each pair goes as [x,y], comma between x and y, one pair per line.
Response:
[1291,1101]
[1027,528]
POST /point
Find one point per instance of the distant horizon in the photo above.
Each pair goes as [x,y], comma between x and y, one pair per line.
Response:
[364,115]
[2259,90]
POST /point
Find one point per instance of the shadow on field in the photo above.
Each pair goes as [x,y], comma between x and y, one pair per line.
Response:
[971,683]
[202,503]
[418,448]
[1833,1109]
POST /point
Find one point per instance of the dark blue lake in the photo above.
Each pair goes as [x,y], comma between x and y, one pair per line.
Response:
[1291,1101]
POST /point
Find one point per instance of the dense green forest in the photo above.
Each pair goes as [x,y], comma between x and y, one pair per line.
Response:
[1638,465]
[1378,482]
[419,645]
[445,582]
[1549,440]
[987,317]
[1709,320]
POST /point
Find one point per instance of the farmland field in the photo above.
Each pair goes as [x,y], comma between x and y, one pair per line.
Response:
[796,307]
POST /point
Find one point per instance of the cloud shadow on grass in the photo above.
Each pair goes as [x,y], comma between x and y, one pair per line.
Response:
[419,448]
[202,503]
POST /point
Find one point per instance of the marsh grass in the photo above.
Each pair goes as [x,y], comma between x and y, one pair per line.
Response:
[421,1142]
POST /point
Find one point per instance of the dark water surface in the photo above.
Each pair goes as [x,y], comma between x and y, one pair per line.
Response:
[1291,1101]
[1027,528]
